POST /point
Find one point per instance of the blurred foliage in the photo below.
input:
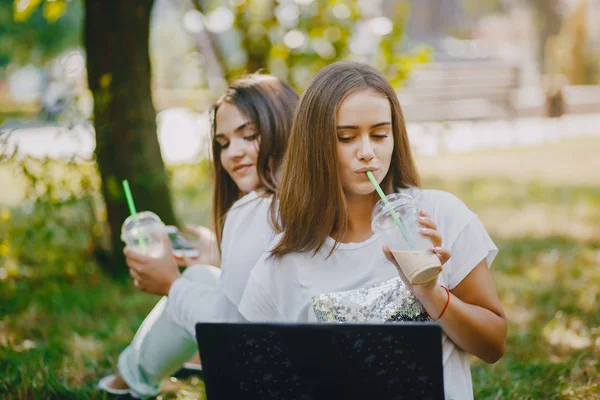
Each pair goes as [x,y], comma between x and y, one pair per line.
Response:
[52,9]
[192,186]
[176,61]
[59,226]
[568,51]
[564,46]
[59,223]
[32,32]
[390,59]
[294,39]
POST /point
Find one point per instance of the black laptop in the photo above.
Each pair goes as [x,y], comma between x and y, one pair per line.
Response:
[321,361]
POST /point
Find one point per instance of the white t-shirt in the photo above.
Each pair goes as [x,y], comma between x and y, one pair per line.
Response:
[283,290]
[246,234]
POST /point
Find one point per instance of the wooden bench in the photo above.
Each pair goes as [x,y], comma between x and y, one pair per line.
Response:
[457,90]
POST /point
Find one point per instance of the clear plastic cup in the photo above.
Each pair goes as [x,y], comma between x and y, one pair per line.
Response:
[144,233]
[410,248]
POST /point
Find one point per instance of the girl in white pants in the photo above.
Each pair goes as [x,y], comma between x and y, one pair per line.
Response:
[250,125]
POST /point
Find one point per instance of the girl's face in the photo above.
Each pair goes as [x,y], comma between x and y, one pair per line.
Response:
[239,140]
[365,140]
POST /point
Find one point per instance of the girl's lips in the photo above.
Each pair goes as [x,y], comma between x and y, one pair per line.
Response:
[242,169]
[364,170]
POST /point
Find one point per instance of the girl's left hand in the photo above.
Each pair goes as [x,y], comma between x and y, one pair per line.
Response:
[429,229]
[153,275]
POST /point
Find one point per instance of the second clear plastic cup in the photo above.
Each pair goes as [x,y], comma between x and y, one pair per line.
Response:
[144,233]
[411,250]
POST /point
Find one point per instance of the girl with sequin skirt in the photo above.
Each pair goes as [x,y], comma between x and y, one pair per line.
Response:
[349,121]
[250,126]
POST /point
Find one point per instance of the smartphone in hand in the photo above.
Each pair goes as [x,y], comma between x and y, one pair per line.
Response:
[181,246]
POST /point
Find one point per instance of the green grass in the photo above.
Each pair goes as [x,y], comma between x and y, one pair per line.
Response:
[63,324]
[548,278]
[58,335]
[548,288]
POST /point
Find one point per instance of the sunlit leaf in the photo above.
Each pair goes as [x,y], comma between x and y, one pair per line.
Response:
[425,54]
[4,248]
[22,9]
[53,10]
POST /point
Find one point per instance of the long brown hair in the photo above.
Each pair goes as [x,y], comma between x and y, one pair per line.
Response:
[269,104]
[311,199]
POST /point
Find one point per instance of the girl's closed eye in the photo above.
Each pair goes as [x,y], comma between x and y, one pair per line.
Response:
[381,133]
[380,136]
[224,145]
[345,138]
[252,136]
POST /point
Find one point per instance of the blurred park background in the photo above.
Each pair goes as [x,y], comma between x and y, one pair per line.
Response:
[502,101]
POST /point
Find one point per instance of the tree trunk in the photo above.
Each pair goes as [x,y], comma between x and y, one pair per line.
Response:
[548,23]
[116,39]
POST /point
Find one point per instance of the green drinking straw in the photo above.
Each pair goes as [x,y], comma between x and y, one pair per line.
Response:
[131,206]
[392,212]
[129,197]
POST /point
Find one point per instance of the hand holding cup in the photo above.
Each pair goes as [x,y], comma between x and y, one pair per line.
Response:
[153,275]
[429,229]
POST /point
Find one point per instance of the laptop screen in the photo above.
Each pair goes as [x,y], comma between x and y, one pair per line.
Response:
[321,361]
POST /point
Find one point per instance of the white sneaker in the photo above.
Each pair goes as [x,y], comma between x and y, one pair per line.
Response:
[103,384]
[192,366]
